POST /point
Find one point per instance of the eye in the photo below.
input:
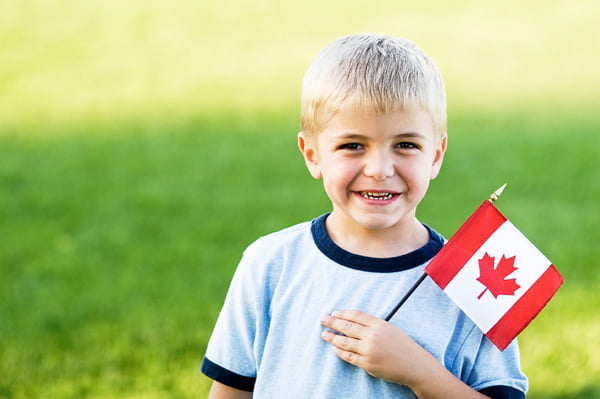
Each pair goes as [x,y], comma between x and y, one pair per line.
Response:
[407,145]
[350,146]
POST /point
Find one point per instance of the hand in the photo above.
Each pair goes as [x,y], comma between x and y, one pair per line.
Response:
[378,347]
[385,351]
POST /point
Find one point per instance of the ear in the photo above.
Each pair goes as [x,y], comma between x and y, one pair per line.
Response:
[439,156]
[309,152]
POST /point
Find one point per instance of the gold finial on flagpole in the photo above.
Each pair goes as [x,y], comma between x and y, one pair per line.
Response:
[497,193]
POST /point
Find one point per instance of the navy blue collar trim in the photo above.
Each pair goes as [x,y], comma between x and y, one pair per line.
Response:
[365,263]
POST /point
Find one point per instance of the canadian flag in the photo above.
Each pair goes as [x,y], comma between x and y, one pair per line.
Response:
[495,274]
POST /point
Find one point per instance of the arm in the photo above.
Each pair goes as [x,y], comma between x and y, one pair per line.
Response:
[221,391]
[385,351]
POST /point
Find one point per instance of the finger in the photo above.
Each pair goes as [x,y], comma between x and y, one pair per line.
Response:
[346,327]
[355,316]
[344,347]
[341,343]
[347,356]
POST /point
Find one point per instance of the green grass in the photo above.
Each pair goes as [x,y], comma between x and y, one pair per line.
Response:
[117,249]
[144,145]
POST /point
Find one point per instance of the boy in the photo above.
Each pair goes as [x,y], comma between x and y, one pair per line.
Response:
[374,129]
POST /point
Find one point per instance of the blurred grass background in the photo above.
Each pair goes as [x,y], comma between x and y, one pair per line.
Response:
[144,144]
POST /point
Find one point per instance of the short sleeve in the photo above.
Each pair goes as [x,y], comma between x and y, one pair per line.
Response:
[494,368]
[502,392]
[231,355]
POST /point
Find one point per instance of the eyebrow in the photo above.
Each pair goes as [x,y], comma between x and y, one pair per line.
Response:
[350,135]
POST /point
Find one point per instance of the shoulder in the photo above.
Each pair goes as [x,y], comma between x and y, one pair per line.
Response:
[270,253]
[283,240]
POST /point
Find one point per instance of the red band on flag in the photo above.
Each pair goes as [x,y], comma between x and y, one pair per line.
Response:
[464,243]
[525,309]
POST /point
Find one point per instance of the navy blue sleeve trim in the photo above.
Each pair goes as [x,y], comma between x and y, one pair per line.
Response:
[502,392]
[226,377]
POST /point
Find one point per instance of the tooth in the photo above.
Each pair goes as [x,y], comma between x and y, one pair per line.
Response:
[377,196]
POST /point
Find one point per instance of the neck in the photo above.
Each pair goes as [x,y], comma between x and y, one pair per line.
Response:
[378,243]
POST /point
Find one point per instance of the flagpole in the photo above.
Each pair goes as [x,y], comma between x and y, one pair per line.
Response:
[493,197]
[406,296]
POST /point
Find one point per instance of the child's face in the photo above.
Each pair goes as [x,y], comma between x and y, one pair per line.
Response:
[375,168]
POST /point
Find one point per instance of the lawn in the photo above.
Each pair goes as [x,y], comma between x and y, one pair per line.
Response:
[143,146]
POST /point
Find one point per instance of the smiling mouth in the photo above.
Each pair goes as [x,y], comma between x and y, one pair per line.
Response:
[376,196]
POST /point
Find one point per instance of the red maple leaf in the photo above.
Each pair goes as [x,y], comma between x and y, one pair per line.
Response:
[495,279]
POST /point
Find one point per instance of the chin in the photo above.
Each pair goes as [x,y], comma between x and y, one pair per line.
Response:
[376,223]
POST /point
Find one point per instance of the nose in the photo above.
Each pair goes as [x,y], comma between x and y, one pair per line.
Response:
[379,165]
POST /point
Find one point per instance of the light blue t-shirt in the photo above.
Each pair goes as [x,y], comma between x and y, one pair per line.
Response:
[267,338]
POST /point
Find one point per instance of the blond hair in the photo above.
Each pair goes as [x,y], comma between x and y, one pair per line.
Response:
[372,72]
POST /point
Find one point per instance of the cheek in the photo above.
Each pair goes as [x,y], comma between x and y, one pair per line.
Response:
[339,177]
[419,175]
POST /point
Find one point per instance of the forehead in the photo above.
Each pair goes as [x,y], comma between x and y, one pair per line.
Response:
[359,122]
